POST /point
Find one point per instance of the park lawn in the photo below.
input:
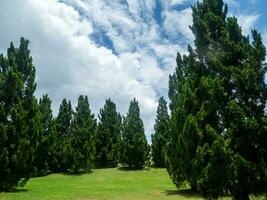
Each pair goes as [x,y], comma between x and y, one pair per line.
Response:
[102,184]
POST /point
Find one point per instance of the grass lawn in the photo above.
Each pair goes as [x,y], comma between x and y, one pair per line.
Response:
[102,184]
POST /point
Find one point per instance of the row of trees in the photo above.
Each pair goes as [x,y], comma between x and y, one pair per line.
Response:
[79,142]
[33,142]
[214,139]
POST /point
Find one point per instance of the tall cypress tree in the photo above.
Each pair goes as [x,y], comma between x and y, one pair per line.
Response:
[135,150]
[108,136]
[19,125]
[218,97]
[82,145]
[63,125]
[45,158]
[160,138]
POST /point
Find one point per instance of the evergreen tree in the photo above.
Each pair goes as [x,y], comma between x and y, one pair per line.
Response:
[160,138]
[135,150]
[108,136]
[82,145]
[218,96]
[63,125]
[46,151]
[19,121]
[64,118]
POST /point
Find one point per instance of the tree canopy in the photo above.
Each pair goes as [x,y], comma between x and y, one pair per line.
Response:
[134,150]
[19,120]
[45,158]
[218,97]
[108,136]
[81,146]
[160,138]
[63,128]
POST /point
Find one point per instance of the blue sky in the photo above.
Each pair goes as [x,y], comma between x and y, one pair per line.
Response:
[117,49]
[252,7]
[251,12]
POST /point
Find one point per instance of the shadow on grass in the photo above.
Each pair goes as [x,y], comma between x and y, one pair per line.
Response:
[183,192]
[80,173]
[127,169]
[17,190]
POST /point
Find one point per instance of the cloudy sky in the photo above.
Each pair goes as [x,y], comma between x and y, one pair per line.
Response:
[109,48]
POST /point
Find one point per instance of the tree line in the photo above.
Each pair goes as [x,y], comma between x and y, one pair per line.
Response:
[214,139]
[34,143]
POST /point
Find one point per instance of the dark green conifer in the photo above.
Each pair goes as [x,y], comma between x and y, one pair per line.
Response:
[45,159]
[218,97]
[108,136]
[64,118]
[19,125]
[81,149]
[160,138]
[135,150]
[63,125]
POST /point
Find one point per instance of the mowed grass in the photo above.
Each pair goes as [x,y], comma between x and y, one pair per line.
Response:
[102,184]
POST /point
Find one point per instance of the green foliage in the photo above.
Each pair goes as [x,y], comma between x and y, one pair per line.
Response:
[218,97]
[134,150]
[19,121]
[64,118]
[45,158]
[160,138]
[108,136]
[81,147]
[63,125]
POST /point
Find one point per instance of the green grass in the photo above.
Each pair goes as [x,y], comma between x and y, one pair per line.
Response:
[102,184]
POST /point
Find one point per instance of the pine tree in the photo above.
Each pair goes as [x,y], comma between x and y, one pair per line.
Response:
[218,97]
[45,158]
[64,118]
[63,125]
[160,138]
[135,150]
[82,145]
[19,125]
[108,136]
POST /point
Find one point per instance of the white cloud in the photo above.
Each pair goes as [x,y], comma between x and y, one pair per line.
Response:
[247,22]
[69,63]
[170,3]
[178,22]
[177,2]
[246,19]
[232,3]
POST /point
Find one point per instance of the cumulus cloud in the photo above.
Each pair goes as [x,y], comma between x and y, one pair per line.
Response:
[235,3]
[70,61]
[102,48]
[246,19]
[247,22]
[177,22]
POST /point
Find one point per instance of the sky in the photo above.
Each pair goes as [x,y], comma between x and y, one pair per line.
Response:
[118,49]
